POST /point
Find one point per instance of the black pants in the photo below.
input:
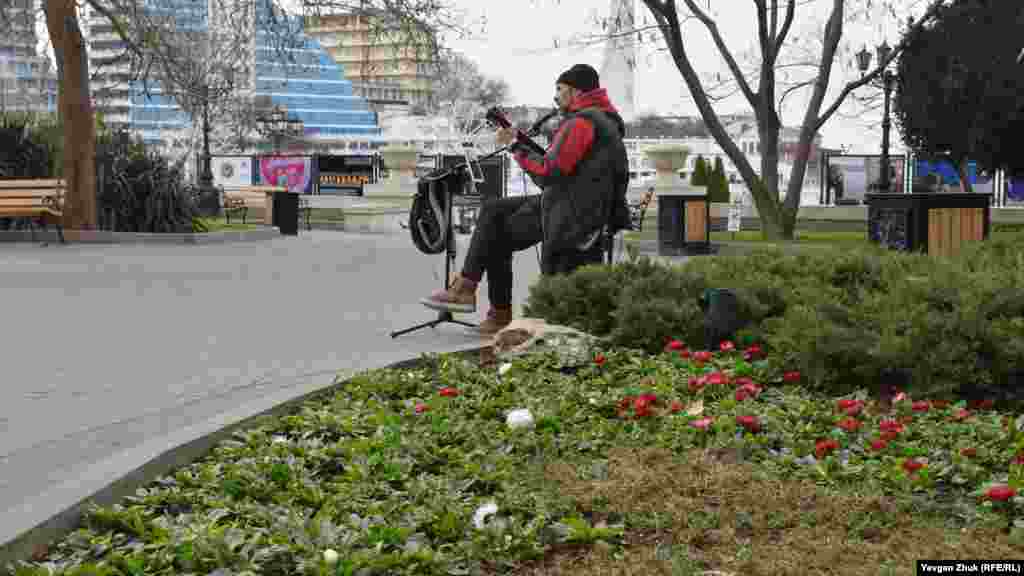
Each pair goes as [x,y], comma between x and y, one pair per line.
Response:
[504,227]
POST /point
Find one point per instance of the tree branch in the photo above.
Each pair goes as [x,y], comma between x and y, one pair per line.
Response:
[790,9]
[722,48]
[929,14]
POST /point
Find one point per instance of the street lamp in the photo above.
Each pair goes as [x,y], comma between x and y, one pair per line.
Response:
[277,124]
[887,81]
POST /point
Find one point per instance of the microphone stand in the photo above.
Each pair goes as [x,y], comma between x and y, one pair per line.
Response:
[450,248]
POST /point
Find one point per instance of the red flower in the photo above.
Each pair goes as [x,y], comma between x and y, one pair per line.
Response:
[421,408]
[911,465]
[792,376]
[1018,459]
[969,452]
[900,397]
[718,378]
[751,423]
[644,401]
[749,390]
[1000,493]
[448,391]
[676,407]
[684,353]
[696,383]
[961,415]
[890,426]
[920,406]
[743,381]
[823,448]
[599,359]
[889,435]
[726,346]
[702,424]
[752,352]
[626,402]
[981,404]
[849,424]
[676,345]
[702,356]
[878,445]
[849,406]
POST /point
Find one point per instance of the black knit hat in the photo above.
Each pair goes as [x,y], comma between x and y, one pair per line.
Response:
[581,76]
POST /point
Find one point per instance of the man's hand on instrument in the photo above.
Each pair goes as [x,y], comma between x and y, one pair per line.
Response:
[505,136]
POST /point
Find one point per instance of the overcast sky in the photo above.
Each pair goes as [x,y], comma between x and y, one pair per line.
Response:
[518,45]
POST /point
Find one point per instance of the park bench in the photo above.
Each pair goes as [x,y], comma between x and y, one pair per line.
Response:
[241,198]
[34,200]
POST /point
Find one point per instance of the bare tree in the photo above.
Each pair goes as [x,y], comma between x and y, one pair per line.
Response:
[414,25]
[759,83]
[464,93]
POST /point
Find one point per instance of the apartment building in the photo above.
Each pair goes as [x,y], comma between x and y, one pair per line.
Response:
[381,69]
[310,86]
[28,82]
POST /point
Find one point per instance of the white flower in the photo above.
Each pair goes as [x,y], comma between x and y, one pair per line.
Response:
[481,514]
[504,368]
[330,557]
[519,419]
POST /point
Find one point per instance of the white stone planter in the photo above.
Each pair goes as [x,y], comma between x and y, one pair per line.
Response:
[401,162]
[668,160]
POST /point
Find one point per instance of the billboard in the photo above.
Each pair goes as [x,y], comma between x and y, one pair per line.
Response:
[346,175]
[950,177]
[1014,191]
[849,178]
[294,172]
[231,170]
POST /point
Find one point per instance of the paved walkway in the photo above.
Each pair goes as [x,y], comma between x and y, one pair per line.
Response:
[107,347]
[113,353]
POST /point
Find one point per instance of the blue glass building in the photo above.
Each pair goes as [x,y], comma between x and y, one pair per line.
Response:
[310,85]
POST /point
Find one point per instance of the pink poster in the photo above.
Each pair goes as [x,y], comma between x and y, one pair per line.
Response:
[295,172]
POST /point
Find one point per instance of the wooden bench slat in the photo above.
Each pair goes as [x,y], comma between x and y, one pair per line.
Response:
[24,211]
[30,183]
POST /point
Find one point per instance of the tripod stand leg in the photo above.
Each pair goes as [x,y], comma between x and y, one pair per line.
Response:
[449,261]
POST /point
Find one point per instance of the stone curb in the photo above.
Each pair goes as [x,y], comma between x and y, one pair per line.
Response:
[109,237]
[141,465]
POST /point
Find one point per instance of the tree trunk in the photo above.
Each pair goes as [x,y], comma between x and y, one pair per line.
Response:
[76,114]
[965,182]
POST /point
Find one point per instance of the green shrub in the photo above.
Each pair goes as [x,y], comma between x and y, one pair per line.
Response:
[846,318]
[587,298]
[145,194]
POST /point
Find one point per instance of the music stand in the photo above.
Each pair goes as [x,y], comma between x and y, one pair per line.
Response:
[449,261]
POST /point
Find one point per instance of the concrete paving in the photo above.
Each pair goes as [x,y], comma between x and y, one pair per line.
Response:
[108,349]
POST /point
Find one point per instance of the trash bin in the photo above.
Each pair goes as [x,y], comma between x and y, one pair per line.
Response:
[286,213]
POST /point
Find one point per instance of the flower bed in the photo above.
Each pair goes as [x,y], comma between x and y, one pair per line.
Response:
[635,464]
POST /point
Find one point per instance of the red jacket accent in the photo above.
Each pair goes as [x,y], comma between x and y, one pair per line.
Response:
[571,142]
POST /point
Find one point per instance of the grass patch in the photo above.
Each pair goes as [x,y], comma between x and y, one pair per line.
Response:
[636,464]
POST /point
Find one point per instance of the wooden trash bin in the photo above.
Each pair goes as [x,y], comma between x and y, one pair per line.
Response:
[935,223]
[684,222]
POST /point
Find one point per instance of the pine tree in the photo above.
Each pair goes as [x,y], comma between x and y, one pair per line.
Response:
[700,173]
[718,184]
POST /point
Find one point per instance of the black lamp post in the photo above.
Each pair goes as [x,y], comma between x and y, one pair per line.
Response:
[206,176]
[277,125]
[887,81]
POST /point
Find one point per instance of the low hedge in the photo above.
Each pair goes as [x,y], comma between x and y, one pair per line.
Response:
[846,318]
